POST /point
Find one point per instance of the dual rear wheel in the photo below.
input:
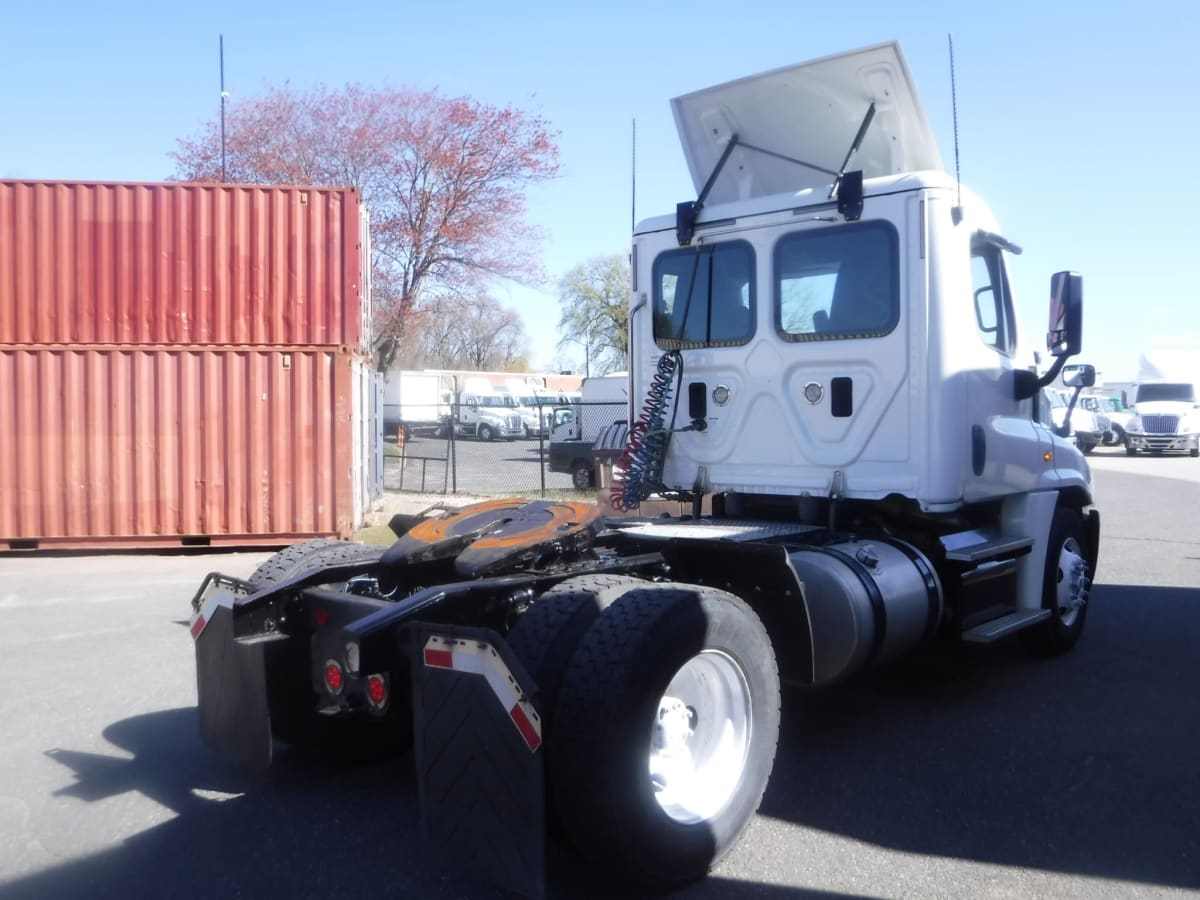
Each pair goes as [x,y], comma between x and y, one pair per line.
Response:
[661,704]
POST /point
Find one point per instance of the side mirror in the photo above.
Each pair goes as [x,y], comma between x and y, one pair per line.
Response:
[1065,337]
[1081,376]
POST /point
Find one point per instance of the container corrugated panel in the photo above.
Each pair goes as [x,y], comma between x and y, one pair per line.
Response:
[138,447]
[114,263]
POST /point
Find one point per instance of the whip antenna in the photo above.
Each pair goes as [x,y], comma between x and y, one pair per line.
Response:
[224,97]
[956,213]
[633,183]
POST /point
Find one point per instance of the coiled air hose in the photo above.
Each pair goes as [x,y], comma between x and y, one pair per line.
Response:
[646,449]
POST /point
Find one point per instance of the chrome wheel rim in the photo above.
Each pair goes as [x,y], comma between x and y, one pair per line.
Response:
[701,737]
[1072,582]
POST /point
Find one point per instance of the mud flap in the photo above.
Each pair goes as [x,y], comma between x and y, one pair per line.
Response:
[231,688]
[478,755]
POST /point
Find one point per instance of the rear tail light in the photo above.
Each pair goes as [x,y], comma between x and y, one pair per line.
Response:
[377,692]
[334,679]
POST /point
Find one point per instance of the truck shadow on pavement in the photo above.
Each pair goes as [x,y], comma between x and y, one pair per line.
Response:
[1080,765]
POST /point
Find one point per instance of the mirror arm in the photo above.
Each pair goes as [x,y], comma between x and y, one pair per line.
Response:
[1065,430]
[1027,383]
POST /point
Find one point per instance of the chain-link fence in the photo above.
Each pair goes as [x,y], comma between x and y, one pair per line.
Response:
[501,450]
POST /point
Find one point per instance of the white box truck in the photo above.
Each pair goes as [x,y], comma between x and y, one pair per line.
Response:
[416,401]
[603,401]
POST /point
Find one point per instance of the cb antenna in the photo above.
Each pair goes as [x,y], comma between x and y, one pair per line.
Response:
[633,183]
[224,97]
[956,213]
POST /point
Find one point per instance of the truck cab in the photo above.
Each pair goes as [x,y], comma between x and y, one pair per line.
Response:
[1166,405]
[866,352]
[487,415]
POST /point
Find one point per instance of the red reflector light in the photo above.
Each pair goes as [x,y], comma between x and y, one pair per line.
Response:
[333,677]
[377,690]
[439,659]
[321,615]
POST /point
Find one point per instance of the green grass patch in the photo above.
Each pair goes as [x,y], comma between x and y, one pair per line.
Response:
[376,535]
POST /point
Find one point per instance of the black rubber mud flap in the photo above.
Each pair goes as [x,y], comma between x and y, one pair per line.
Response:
[232,688]
[478,755]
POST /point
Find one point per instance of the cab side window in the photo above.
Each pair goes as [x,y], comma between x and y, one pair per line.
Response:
[993,305]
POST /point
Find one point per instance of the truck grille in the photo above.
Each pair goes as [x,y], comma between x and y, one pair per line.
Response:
[1160,423]
[514,422]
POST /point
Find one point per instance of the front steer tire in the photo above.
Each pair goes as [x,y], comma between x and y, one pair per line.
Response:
[1068,562]
[615,719]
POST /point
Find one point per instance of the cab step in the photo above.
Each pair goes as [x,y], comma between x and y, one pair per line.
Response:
[1005,625]
[974,548]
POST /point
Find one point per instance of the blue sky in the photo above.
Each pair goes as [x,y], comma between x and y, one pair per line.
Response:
[1077,121]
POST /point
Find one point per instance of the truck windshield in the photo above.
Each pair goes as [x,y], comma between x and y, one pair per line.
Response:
[1148,393]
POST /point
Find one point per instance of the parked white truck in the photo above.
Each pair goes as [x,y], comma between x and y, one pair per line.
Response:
[1166,404]
[603,401]
[824,351]
[416,401]
[485,413]
[534,404]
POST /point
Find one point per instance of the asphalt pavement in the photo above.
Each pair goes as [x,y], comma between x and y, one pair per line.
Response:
[978,772]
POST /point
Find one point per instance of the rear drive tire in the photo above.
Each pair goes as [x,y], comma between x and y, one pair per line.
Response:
[664,732]
[291,699]
[293,560]
[1065,586]
[547,635]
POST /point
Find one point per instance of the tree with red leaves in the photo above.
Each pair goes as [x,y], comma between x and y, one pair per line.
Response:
[443,177]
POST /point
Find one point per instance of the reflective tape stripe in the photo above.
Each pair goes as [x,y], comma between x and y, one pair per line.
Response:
[481,658]
[202,618]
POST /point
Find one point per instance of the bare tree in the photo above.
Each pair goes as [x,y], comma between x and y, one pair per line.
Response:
[476,333]
[444,178]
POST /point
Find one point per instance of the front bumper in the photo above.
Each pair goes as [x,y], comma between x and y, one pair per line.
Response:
[1143,441]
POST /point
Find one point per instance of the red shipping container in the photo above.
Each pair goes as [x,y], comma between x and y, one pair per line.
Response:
[193,264]
[138,447]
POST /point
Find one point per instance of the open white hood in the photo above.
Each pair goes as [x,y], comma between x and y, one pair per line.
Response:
[809,112]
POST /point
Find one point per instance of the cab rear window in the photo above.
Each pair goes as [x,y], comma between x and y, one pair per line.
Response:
[704,296]
[836,283]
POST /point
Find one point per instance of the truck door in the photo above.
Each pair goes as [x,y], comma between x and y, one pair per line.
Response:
[1004,443]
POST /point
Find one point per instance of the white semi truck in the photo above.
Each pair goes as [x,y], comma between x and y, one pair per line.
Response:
[1166,404]
[483,412]
[824,352]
